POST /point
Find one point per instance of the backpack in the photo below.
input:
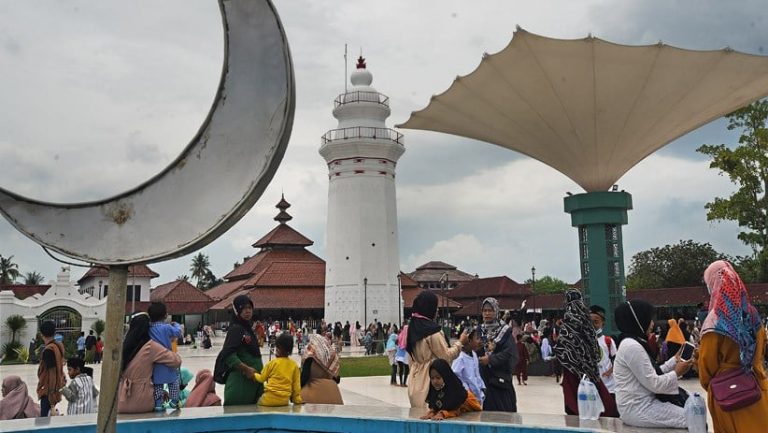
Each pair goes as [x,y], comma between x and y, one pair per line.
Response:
[220,369]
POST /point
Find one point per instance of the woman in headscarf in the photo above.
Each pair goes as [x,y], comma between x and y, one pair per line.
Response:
[424,344]
[16,403]
[579,355]
[447,397]
[732,338]
[241,355]
[140,353]
[204,392]
[497,356]
[320,372]
[639,380]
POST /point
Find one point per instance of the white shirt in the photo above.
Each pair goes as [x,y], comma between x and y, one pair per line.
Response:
[467,368]
[605,363]
[637,385]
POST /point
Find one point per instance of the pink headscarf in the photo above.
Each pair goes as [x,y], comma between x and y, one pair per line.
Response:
[730,312]
[402,338]
[204,392]
[16,403]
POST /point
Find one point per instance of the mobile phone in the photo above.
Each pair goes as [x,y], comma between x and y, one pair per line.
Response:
[687,352]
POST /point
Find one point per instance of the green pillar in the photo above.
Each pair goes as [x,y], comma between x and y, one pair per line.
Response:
[598,216]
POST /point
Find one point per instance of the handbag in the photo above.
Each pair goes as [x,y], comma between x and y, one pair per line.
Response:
[735,389]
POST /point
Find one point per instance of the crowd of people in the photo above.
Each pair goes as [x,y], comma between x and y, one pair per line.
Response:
[636,374]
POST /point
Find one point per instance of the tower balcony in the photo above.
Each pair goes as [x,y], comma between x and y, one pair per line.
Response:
[364,132]
[361,96]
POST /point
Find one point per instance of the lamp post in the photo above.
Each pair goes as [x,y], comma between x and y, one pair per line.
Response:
[365,300]
[399,301]
[533,289]
[443,279]
[100,283]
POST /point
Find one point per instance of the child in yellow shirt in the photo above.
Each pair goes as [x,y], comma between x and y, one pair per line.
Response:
[281,375]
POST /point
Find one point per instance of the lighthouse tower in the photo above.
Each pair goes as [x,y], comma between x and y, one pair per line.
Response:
[362,260]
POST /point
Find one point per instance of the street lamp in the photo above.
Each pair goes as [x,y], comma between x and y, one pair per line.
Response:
[100,283]
[365,300]
[533,289]
[399,300]
[443,281]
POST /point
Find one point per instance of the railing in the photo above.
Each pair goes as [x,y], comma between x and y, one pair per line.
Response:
[361,96]
[362,132]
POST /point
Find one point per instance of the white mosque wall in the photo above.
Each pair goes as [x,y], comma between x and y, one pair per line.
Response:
[63,293]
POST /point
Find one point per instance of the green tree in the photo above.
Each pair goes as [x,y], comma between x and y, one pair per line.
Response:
[200,268]
[9,271]
[547,284]
[210,281]
[98,327]
[33,278]
[747,167]
[184,277]
[679,265]
[15,323]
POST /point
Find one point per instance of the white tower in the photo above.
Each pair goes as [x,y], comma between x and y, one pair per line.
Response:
[362,259]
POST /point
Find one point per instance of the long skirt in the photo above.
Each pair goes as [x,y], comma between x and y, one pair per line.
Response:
[500,399]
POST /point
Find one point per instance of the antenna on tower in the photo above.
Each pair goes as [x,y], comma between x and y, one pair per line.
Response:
[345,68]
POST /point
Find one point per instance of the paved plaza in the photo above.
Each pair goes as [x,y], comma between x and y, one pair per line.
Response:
[541,396]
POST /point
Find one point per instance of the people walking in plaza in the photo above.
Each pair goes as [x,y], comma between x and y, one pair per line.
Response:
[136,391]
[521,369]
[90,348]
[99,349]
[81,345]
[16,402]
[80,392]
[50,373]
[401,355]
[354,335]
[607,349]
[467,366]
[391,351]
[204,392]
[732,338]
[639,380]
[425,343]
[578,352]
[280,376]
[240,355]
[320,373]
[447,397]
[497,356]
[162,376]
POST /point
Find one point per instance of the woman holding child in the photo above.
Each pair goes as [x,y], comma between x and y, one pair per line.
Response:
[426,343]
[140,354]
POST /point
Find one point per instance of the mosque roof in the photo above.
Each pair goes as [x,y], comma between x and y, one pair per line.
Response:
[138,271]
[590,108]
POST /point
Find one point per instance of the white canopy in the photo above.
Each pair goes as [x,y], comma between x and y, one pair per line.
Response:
[590,108]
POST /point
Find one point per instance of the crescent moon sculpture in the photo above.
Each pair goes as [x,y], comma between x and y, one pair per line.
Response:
[212,184]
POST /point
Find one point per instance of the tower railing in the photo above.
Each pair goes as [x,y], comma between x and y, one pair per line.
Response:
[361,96]
[362,132]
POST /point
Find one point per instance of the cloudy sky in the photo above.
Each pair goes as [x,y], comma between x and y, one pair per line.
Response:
[98,96]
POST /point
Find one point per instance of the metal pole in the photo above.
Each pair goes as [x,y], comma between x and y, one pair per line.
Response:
[365,300]
[113,349]
[399,301]
[533,289]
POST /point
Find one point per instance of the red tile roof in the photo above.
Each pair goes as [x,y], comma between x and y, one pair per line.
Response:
[291,274]
[133,271]
[278,298]
[435,265]
[474,307]
[407,281]
[496,287]
[178,291]
[433,271]
[283,234]
[23,291]
[265,257]
[225,289]
[410,293]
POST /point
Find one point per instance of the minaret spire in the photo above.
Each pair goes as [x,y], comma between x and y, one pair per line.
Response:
[283,217]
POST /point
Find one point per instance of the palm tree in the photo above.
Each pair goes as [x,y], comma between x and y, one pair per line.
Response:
[33,278]
[200,268]
[184,277]
[9,271]
[98,327]
[15,323]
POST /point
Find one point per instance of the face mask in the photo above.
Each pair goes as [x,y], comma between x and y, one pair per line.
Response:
[599,331]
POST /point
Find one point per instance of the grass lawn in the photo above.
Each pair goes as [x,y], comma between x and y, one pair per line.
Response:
[365,366]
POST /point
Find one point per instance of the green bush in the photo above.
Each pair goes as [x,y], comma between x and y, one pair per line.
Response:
[9,349]
[22,354]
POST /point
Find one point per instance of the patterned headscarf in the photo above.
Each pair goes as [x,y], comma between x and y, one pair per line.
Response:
[730,312]
[576,347]
[495,329]
[323,353]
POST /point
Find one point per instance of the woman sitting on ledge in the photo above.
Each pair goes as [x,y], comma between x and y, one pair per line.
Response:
[320,372]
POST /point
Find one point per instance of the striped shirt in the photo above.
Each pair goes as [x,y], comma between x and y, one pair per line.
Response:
[81,395]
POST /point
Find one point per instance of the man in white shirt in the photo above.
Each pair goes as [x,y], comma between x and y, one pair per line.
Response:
[607,348]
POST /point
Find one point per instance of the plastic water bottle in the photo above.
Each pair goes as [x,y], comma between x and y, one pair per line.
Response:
[583,401]
[595,405]
[696,414]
